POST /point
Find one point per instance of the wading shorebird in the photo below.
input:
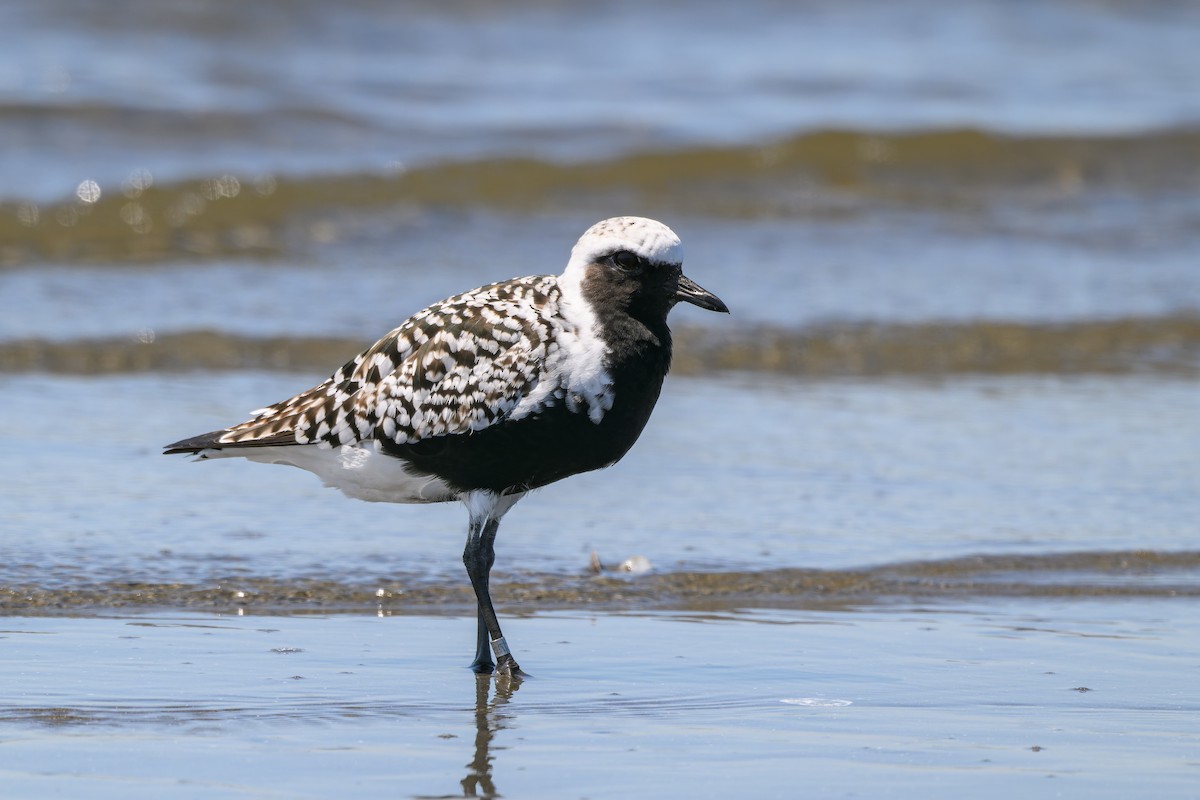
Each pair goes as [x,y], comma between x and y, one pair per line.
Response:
[490,394]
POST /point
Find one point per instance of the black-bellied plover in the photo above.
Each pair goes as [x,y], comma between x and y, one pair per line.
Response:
[492,393]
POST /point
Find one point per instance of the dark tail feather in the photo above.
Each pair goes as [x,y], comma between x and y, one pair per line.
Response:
[205,441]
[212,441]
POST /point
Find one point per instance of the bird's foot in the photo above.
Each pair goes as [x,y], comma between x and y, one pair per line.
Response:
[483,666]
[508,677]
[507,666]
[504,664]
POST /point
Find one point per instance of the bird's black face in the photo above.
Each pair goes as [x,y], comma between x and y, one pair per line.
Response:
[643,288]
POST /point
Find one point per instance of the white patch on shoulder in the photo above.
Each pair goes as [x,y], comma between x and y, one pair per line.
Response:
[576,374]
[587,380]
[361,471]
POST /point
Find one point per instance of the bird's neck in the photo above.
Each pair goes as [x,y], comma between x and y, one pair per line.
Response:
[630,332]
[634,341]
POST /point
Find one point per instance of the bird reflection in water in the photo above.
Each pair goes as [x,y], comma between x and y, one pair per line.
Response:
[489,718]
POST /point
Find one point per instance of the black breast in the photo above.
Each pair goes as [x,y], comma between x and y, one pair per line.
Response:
[555,443]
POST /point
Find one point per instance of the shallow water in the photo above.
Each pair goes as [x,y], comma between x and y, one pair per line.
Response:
[1079,698]
[935,476]
[732,473]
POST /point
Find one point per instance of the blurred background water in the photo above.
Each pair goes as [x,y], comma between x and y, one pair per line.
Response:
[932,490]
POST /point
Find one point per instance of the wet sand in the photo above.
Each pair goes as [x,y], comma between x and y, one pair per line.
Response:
[921,515]
[1015,697]
[611,588]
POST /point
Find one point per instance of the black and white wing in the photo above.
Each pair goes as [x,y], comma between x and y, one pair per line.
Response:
[460,365]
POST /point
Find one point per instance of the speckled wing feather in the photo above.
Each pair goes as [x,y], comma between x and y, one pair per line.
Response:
[460,365]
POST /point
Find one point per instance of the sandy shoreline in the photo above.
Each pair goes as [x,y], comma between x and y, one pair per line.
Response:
[1131,574]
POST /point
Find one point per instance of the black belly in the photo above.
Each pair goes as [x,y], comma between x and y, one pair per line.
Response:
[535,450]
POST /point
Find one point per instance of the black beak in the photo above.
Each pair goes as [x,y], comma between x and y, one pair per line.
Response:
[691,292]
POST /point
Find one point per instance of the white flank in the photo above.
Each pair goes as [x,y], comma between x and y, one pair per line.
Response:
[360,471]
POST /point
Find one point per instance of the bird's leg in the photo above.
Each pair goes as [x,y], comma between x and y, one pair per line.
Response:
[483,649]
[478,557]
[478,569]
[505,663]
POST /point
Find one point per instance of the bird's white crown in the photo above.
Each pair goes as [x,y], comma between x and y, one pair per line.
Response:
[647,238]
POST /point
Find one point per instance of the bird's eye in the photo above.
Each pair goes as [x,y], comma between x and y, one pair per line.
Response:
[627,262]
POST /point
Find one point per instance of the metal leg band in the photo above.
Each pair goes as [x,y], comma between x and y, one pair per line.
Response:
[500,648]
